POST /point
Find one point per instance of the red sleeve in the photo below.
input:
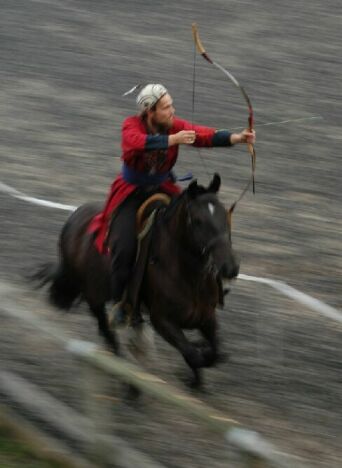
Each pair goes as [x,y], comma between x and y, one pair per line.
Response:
[133,137]
[204,135]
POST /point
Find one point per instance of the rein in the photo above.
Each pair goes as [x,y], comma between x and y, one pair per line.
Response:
[212,242]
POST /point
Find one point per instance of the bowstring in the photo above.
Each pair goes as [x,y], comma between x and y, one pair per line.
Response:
[204,165]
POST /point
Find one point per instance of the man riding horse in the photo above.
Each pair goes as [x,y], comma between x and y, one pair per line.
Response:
[150,143]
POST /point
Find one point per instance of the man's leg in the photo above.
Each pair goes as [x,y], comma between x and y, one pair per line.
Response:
[123,244]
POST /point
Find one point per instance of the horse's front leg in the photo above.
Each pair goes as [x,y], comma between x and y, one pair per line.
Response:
[174,335]
[209,332]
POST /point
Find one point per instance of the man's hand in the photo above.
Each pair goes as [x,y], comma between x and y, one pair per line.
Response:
[184,137]
[245,136]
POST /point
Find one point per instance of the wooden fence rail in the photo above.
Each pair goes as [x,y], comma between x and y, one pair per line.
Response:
[259,453]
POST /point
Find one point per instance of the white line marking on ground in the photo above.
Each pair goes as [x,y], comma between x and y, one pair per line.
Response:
[36,201]
[302,298]
[305,299]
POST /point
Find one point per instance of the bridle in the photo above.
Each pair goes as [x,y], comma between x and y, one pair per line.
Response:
[205,250]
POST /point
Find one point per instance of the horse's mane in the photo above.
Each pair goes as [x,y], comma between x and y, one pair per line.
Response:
[169,210]
[175,202]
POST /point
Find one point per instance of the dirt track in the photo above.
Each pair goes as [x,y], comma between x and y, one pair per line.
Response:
[63,69]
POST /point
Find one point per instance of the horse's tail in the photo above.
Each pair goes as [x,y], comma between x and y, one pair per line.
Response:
[63,288]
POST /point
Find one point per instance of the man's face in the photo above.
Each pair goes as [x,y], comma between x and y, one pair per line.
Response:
[163,114]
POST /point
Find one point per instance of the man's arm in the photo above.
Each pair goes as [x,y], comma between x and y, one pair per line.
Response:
[202,136]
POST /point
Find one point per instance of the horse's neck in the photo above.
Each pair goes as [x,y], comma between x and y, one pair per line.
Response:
[188,277]
[190,264]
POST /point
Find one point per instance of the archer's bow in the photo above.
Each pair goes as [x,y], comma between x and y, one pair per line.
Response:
[204,54]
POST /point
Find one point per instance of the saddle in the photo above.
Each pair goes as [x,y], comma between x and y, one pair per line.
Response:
[147,210]
[145,217]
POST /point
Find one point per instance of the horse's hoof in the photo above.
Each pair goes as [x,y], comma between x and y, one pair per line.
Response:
[192,380]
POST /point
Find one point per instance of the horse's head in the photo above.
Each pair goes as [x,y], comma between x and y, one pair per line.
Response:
[207,228]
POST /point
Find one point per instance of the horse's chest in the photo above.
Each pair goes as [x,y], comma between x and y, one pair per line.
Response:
[198,305]
[188,302]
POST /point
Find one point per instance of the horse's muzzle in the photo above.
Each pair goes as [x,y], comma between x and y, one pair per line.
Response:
[229,271]
[226,262]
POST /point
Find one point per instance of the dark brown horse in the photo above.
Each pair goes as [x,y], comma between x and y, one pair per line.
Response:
[190,254]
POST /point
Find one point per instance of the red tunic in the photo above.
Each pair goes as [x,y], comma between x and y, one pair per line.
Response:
[137,154]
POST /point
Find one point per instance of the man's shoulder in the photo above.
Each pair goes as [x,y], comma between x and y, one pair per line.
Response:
[131,120]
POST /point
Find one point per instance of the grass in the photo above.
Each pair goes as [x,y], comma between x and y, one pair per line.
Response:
[15,454]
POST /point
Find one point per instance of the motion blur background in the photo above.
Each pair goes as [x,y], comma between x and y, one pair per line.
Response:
[64,68]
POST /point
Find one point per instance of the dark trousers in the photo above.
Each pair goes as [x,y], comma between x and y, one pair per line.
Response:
[124,242]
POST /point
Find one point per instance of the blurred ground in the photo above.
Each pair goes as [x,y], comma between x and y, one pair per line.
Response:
[64,67]
[14,454]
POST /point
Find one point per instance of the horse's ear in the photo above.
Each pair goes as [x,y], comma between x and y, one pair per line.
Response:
[193,189]
[215,184]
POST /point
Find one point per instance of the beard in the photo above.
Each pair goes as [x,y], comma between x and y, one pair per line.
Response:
[162,127]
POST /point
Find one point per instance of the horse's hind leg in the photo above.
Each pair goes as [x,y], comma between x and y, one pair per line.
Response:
[109,335]
[99,312]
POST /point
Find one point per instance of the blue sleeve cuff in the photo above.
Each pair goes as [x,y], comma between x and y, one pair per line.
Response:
[221,138]
[156,142]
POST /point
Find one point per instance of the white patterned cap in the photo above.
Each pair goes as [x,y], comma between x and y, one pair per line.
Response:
[149,96]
